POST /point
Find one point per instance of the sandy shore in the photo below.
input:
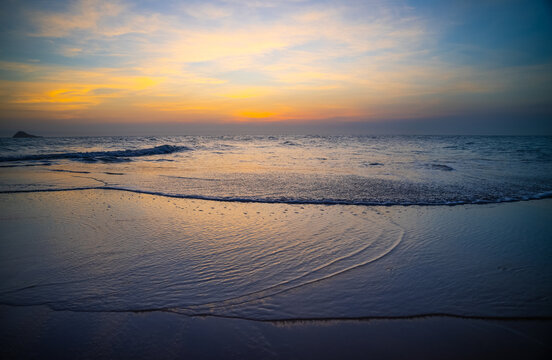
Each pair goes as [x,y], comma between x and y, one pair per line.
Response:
[37,332]
[104,274]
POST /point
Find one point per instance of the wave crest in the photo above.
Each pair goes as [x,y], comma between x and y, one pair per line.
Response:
[105,156]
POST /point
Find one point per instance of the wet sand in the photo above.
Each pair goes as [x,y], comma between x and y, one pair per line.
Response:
[104,273]
[37,332]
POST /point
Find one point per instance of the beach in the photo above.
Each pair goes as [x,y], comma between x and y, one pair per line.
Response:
[38,332]
[291,179]
[132,275]
[276,247]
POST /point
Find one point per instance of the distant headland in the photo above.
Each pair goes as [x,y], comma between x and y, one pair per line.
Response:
[23,134]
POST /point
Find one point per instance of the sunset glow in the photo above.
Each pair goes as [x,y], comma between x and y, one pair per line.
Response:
[93,61]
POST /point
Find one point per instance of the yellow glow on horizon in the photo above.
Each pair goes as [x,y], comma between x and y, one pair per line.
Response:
[246,93]
[256,114]
[144,82]
[234,61]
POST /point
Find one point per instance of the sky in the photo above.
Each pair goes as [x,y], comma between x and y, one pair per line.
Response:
[93,67]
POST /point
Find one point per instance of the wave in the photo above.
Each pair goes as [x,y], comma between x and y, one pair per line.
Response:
[104,156]
[71,171]
[366,164]
[440,167]
[25,165]
[289,320]
[294,201]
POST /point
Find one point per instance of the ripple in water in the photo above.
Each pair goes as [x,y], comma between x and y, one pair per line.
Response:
[113,251]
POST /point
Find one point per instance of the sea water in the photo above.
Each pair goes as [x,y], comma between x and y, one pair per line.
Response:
[381,170]
[270,227]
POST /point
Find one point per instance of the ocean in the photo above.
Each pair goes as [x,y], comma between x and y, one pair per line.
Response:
[361,170]
[277,228]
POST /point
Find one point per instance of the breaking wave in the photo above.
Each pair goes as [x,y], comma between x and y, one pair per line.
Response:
[104,156]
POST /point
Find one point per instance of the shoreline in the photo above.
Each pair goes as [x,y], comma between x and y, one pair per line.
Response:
[299,320]
[540,196]
[463,281]
[170,336]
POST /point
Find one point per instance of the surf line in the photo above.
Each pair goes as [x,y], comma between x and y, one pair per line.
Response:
[539,196]
[299,320]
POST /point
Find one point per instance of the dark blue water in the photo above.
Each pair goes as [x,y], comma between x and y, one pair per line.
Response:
[294,169]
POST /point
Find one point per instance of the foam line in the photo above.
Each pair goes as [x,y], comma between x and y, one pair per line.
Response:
[538,196]
[299,320]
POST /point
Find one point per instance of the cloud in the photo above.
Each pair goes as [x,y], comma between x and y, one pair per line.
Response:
[263,3]
[20,67]
[248,59]
[206,11]
[103,91]
[91,17]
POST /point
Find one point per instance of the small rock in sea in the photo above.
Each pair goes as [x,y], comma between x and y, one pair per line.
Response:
[22,134]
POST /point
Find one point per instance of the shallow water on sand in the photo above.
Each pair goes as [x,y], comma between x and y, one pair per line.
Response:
[110,250]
